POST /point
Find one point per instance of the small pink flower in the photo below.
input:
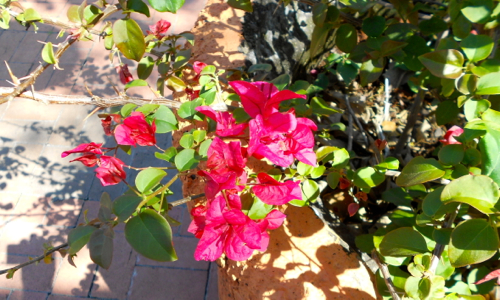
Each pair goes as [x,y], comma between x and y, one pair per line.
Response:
[136,130]
[159,29]
[84,148]
[89,160]
[273,192]
[226,124]
[110,171]
[125,75]
[449,137]
[106,123]
[198,67]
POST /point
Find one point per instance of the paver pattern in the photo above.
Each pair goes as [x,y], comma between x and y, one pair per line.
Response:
[43,196]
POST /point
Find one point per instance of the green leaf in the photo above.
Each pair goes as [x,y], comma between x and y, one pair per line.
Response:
[486,67]
[446,112]
[182,58]
[48,54]
[185,160]
[318,171]
[124,206]
[319,13]
[260,67]
[79,237]
[340,158]
[31,15]
[310,191]
[478,191]
[138,6]
[443,63]
[203,150]
[127,109]
[488,84]
[433,25]
[281,81]
[368,177]
[489,147]
[136,83]
[245,5]
[371,71]
[390,163]
[477,47]
[404,241]
[169,154]
[129,39]
[474,109]
[420,170]
[165,120]
[73,15]
[374,26]
[480,244]
[320,107]
[150,235]
[333,179]
[433,207]
[259,209]
[477,11]
[348,71]
[346,38]
[187,109]
[199,135]
[318,38]
[186,141]
[101,247]
[466,84]
[166,5]
[91,14]
[149,178]
[397,196]
[145,67]
[451,154]
[146,109]
[105,208]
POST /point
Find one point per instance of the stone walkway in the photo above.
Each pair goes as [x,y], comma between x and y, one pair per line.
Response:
[43,196]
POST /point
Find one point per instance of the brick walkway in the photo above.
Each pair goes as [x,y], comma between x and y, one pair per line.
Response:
[43,196]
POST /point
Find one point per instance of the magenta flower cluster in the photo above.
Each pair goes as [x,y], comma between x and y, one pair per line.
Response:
[279,137]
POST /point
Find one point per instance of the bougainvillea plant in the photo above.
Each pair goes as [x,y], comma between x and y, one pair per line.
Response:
[441,239]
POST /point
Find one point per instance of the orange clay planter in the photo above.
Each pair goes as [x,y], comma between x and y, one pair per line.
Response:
[304,259]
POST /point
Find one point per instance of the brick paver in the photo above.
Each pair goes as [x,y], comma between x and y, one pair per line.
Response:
[43,196]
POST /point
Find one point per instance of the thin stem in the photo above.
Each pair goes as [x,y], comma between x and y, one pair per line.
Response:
[438,250]
[185,200]
[37,259]
[358,123]
[161,168]
[387,276]
[160,190]
[158,147]
[410,123]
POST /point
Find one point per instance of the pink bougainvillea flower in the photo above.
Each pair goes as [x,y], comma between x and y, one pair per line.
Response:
[226,124]
[228,230]
[225,168]
[492,275]
[106,123]
[273,192]
[159,29]
[261,97]
[84,148]
[274,219]
[198,67]
[110,170]
[283,141]
[136,130]
[89,160]
[449,137]
[125,75]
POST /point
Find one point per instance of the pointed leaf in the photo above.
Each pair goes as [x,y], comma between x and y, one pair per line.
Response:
[101,247]
[420,170]
[149,178]
[404,241]
[79,237]
[488,84]
[166,5]
[443,63]
[480,244]
[129,39]
[479,191]
[124,206]
[150,235]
